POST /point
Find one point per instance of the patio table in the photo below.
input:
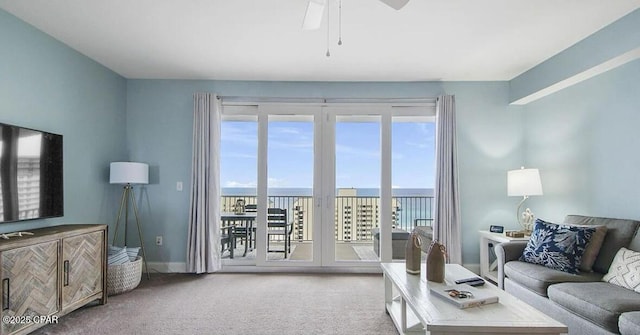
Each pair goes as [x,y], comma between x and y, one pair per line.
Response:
[246,221]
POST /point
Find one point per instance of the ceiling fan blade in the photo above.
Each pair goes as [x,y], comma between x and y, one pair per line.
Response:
[395,4]
[313,16]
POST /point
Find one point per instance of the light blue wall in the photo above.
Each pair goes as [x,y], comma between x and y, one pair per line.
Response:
[585,142]
[46,85]
[609,42]
[584,138]
[159,128]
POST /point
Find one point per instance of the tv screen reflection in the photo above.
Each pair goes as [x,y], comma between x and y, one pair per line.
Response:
[30,174]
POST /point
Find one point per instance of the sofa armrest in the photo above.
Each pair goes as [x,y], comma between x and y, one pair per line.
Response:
[505,252]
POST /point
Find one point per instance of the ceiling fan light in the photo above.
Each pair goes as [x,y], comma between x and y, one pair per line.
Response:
[395,4]
[313,16]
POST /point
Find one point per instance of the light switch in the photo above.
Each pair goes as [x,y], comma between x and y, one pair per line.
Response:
[179,186]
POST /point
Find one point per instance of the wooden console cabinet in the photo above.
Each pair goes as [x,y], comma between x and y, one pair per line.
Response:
[51,273]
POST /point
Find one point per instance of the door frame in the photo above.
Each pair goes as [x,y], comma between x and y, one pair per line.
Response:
[324,184]
[377,113]
[284,111]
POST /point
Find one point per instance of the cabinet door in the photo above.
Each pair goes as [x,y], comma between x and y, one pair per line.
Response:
[82,264]
[29,282]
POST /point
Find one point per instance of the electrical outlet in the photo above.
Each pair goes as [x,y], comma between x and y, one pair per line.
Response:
[179,186]
[159,240]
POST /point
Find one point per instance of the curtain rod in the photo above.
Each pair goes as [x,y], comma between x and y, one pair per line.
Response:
[247,99]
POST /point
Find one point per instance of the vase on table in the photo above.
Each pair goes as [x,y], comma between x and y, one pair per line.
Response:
[436,257]
[413,253]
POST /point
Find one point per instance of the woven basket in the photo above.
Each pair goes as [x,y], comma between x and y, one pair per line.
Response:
[124,277]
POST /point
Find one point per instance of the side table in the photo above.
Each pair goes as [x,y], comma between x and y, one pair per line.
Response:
[488,270]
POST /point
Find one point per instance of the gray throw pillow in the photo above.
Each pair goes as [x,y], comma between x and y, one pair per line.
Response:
[593,247]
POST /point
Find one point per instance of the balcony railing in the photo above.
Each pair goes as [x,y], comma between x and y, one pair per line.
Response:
[355,216]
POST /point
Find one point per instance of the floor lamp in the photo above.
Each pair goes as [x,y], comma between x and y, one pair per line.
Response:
[128,173]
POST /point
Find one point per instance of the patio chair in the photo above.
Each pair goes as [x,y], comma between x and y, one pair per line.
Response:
[226,239]
[251,208]
[278,225]
[244,230]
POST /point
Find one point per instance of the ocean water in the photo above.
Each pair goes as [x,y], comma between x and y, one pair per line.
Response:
[301,192]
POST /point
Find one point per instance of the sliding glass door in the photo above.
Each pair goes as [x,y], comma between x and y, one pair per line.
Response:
[238,178]
[353,141]
[290,185]
[322,193]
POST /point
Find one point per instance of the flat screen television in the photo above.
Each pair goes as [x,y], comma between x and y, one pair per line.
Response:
[31,185]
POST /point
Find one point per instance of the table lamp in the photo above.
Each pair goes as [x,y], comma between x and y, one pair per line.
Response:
[524,183]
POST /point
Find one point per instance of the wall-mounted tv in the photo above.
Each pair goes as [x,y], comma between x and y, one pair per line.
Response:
[31,185]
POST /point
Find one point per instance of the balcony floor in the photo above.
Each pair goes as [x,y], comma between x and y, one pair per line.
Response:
[302,251]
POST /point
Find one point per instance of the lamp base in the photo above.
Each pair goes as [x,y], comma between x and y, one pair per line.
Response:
[128,196]
[515,233]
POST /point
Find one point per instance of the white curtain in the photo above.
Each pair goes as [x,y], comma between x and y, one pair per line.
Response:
[203,245]
[447,216]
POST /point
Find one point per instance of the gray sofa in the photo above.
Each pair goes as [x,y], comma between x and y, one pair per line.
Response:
[583,302]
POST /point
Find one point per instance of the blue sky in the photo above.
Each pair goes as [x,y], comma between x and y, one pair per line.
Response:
[290,154]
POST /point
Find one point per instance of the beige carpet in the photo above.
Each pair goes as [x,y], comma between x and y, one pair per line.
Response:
[239,304]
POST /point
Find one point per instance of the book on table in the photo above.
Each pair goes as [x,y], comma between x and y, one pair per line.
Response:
[463,295]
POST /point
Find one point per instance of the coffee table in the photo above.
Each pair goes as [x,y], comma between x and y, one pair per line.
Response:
[414,310]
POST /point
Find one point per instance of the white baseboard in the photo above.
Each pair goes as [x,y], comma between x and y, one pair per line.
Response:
[167,267]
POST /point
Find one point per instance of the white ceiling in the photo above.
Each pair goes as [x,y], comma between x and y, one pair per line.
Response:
[264,40]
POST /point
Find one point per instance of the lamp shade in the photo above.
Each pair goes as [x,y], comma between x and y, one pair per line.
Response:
[524,182]
[129,173]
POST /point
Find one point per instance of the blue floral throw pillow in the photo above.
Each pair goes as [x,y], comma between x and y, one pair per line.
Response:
[558,247]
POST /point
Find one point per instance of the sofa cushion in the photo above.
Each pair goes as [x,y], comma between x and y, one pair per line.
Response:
[600,303]
[635,242]
[619,234]
[629,323]
[625,270]
[558,247]
[537,278]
